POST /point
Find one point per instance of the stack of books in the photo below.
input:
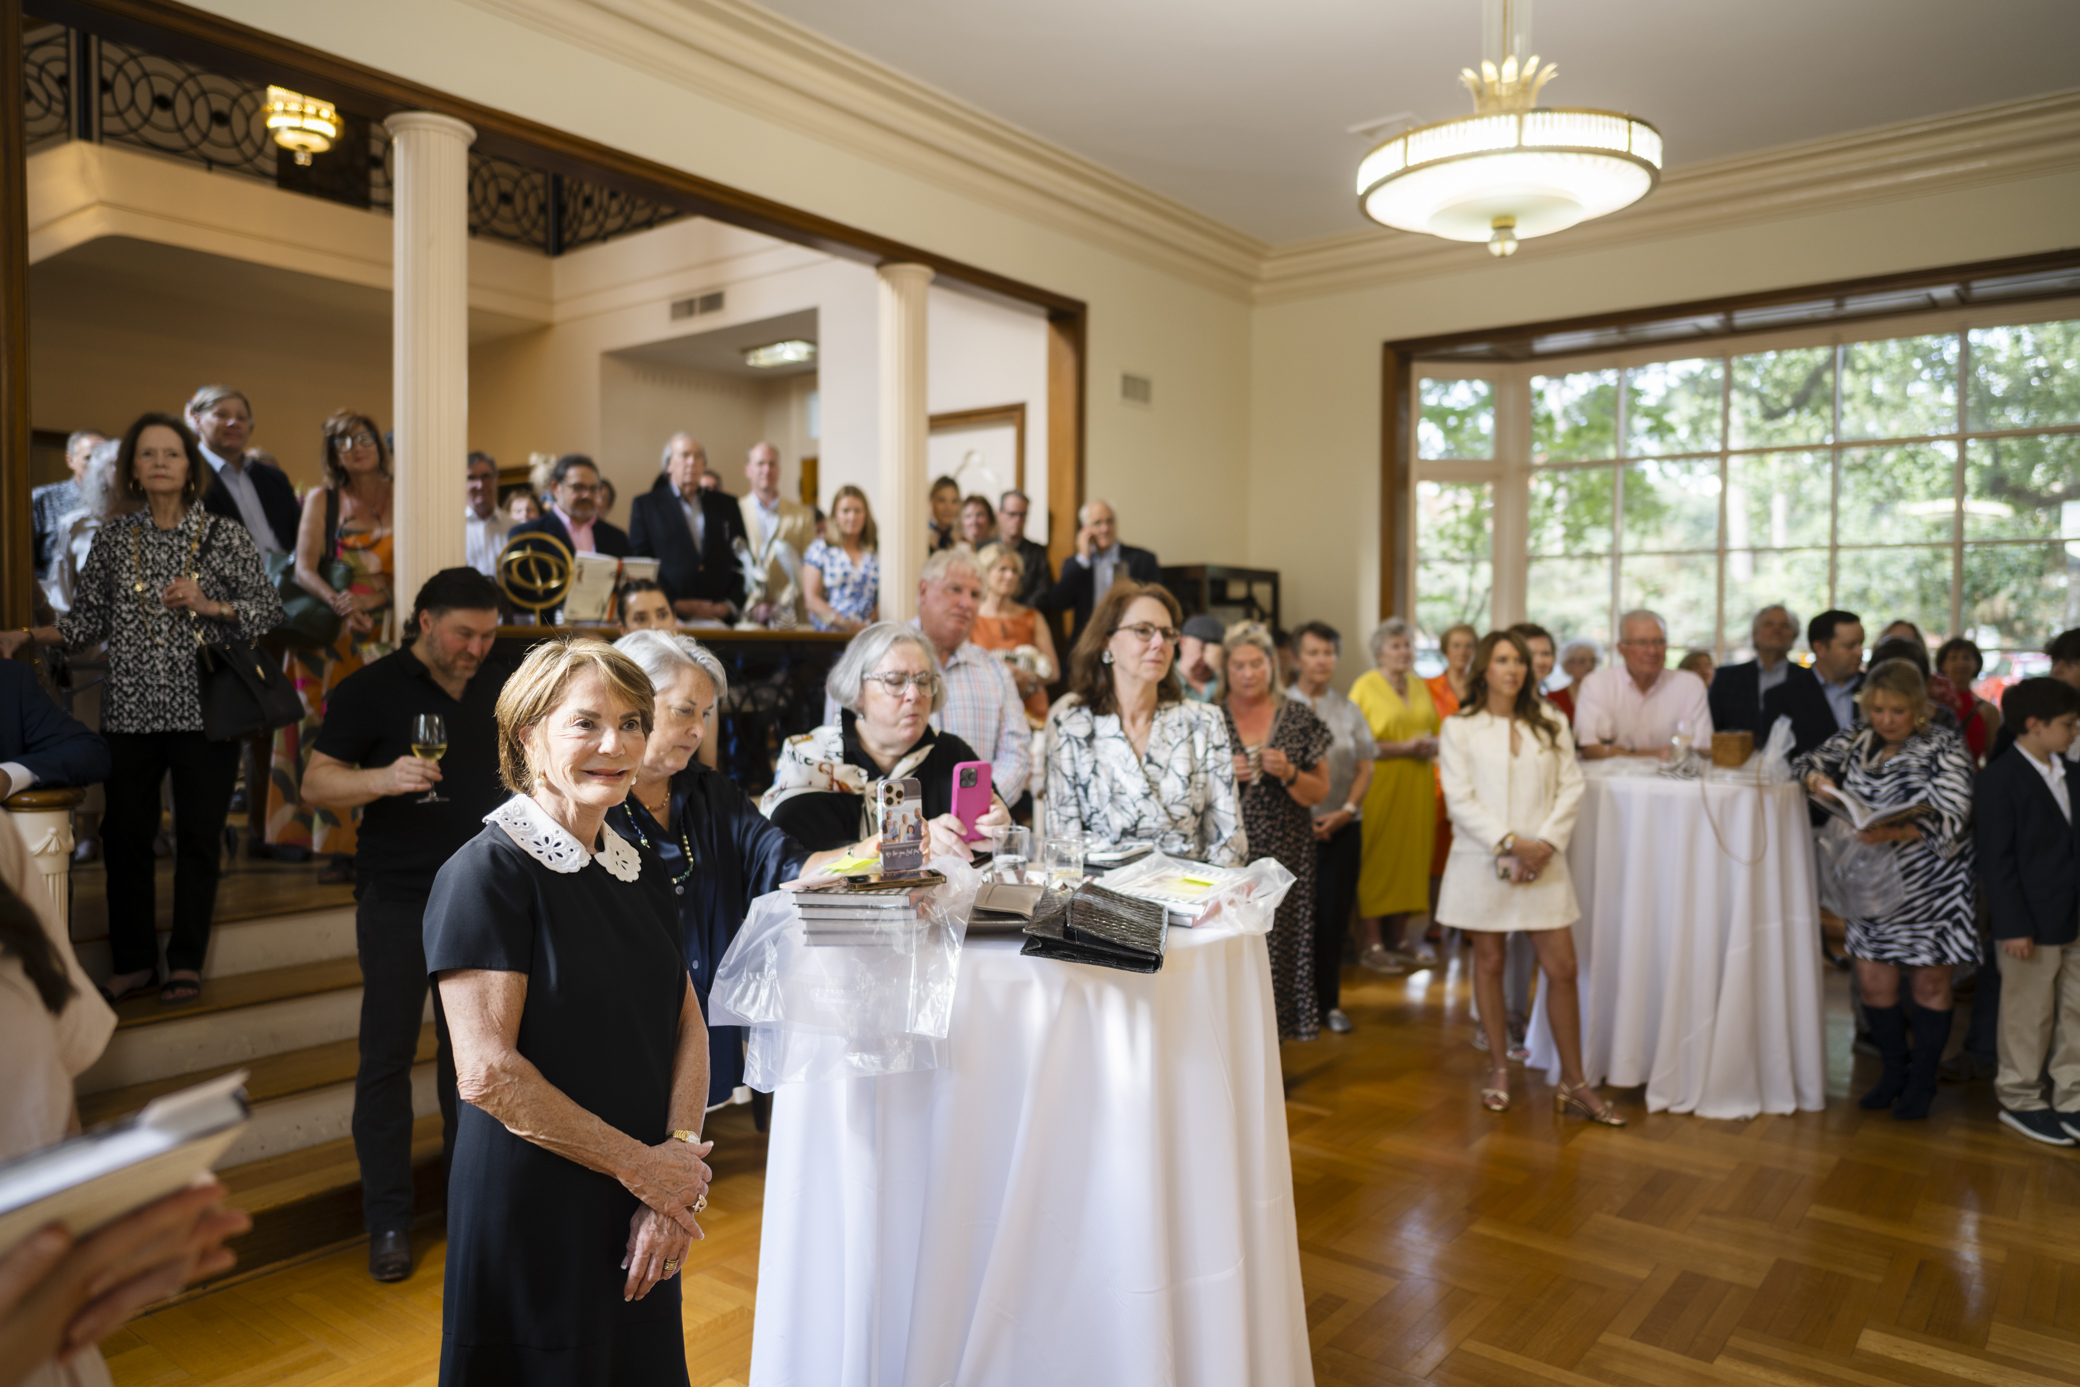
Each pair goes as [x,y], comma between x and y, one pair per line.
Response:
[1186,890]
[884,918]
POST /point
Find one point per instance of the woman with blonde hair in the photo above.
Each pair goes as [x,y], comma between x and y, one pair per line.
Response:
[1280,751]
[1895,756]
[1007,626]
[1400,805]
[1514,787]
[841,581]
[349,518]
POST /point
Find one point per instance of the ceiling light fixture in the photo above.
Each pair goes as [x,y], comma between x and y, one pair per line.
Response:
[301,124]
[793,352]
[1509,171]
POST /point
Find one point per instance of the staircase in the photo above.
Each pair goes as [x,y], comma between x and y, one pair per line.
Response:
[282,999]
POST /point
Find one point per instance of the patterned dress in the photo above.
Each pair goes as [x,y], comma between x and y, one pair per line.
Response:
[851,588]
[1185,784]
[316,673]
[1281,827]
[1935,925]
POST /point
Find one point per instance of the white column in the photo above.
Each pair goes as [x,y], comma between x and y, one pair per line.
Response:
[44,819]
[904,426]
[429,337]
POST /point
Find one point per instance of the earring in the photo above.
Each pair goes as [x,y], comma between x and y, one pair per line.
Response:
[1106,658]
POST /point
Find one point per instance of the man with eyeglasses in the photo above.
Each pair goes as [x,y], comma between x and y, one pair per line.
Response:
[1088,574]
[1635,707]
[573,515]
[248,487]
[1012,509]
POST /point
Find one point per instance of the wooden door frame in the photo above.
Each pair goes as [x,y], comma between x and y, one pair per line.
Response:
[240,50]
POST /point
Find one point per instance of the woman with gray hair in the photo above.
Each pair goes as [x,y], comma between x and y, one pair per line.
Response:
[98,502]
[717,852]
[888,689]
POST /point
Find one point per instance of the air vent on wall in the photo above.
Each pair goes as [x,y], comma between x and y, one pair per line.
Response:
[698,306]
[1137,390]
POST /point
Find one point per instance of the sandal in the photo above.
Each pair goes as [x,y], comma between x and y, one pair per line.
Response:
[1496,1099]
[1579,1099]
[179,990]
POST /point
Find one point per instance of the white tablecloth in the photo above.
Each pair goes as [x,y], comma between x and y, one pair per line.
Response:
[1097,1191]
[1700,976]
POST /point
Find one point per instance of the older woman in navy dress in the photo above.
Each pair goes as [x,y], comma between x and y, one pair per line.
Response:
[1897,757]
[716,851]
[579,1049]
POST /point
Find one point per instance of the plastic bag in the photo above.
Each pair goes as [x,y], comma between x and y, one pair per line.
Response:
[1857,880]
[1775,766]
[844,1011]
[1251,903]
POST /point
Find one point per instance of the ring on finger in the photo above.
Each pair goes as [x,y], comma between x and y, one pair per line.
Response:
[671,1266]
[700,1204]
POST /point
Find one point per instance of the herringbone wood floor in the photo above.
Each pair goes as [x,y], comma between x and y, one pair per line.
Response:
[1442,1245]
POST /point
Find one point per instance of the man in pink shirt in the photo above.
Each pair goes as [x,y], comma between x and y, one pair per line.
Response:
[1636,707]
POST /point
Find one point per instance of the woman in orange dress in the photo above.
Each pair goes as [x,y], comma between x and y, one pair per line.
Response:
[1446,692]
[357,491]
[1004,624]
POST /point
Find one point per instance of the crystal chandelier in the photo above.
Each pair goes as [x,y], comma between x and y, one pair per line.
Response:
[1509,170]
[301,124]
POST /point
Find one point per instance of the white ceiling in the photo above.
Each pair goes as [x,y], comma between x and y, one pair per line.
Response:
[721,350]
[1239,108]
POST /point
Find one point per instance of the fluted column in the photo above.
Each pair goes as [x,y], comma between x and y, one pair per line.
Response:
[903,502]
[429,344]
[44,819]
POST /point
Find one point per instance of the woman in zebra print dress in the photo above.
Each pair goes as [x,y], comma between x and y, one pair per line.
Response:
[1897,757]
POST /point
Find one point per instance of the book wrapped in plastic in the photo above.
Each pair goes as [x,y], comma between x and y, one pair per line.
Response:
[834,985]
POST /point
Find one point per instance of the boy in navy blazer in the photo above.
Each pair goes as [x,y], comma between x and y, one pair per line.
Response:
[2029,861]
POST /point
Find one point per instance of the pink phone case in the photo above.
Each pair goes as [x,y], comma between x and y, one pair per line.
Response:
[971,802]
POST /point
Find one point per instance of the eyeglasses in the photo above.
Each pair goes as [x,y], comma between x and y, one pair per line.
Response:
[926,684]
[1656,644]
[1146,634]
[345,441]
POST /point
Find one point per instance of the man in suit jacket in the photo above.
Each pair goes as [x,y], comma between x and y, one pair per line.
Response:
[1737,691]
[248,487]
[1012,509]
[1088,574]
[691,533]
[573,515]
[777,532]
[2029,861]
[1825,704]
[41,744]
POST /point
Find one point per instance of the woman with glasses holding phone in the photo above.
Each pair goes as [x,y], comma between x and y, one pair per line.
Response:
[350,519]
[1128,758]
[887,686]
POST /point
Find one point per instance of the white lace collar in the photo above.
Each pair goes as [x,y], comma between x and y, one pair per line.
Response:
[556,848]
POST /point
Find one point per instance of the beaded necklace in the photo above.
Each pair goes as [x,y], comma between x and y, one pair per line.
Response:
[637,813]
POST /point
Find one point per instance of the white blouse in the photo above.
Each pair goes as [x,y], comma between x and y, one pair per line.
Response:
[1490,792]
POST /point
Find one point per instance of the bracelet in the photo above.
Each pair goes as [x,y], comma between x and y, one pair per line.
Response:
[1353,810]
[690,1138]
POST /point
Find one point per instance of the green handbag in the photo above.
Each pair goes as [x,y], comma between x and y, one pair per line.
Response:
[308,621]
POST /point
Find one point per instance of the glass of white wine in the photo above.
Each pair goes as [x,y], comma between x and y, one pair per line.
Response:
[1684,739]
[430,743]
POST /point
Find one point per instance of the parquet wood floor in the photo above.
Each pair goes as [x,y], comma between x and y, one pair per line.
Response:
[1441,1244]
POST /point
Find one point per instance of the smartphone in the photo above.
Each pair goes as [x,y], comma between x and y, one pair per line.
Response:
[900,822]
[971,796]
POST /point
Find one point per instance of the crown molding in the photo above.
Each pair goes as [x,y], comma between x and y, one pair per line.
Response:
[2000,143]
[782,72]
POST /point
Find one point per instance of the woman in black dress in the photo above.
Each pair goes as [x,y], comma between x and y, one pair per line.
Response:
[887,687]
[579,1051]
[1281,754]
[716,850]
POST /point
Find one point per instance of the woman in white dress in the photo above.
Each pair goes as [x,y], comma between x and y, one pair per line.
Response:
[1512,788]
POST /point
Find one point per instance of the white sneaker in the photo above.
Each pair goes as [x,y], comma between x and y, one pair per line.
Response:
[1337,1022]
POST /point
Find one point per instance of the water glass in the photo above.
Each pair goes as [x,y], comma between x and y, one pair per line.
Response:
[1684,738]
[1010,850]
[1061,860]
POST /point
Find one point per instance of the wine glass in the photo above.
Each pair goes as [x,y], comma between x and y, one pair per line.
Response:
[1683,739]
[430,743]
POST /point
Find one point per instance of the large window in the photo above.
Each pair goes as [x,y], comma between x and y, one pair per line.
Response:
[1931,474]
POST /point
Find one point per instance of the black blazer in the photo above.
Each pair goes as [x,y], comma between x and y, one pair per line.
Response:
[657,530]
[1073,593]
[1736,696]
[277,500]
[46,741]
[1039,574]
[606,538]
[1801,700]
[2029,855]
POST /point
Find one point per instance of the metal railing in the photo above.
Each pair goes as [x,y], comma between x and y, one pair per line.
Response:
[176,109]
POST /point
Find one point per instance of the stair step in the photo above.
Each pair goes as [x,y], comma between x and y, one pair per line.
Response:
[247,946]
[197,1041]
[245,990]
[315,1116]
[275,1076]
[275,1181]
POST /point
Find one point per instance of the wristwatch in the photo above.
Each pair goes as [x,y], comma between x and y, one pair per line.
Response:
[1507,845]
[690,1138]
[1357,814]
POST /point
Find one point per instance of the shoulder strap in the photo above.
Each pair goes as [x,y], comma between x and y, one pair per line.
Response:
[332,522]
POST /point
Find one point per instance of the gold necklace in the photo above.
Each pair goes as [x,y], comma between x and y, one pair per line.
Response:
[138,586]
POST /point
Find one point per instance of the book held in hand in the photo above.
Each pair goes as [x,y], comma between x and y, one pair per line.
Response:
[1846,804]
[119,1167]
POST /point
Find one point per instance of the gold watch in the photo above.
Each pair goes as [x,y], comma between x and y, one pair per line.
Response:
[690,1138]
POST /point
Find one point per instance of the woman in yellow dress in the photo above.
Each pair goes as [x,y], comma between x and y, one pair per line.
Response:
[1400,815]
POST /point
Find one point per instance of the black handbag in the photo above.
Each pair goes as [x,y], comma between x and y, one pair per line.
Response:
[308,621]
[243,690]
[1100,926]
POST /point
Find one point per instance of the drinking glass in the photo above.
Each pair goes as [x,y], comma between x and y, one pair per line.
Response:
[430,743]
[1684,738]
[1011,849]
[1061,859]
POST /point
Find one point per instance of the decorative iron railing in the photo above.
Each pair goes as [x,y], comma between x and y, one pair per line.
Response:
[144,100]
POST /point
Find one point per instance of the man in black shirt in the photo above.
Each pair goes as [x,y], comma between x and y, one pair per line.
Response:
[363,759]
